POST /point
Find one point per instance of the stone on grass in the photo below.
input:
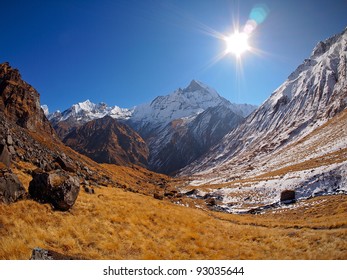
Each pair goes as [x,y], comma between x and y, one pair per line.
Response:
[58,188]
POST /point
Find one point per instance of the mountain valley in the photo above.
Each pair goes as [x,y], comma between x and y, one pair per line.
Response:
[169,179]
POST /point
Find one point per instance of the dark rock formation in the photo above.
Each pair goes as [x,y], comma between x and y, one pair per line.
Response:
[288,196]
[65,165]
[20,102]
[183,141]
[11,189]
[158,196]
[57,188]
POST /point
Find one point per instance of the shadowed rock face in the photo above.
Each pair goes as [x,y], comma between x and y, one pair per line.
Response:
[5,157]
[20,102]
[11,189]
[106,140]
[183,141]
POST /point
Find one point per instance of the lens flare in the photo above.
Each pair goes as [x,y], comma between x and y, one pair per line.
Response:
[259,13]
[237,43]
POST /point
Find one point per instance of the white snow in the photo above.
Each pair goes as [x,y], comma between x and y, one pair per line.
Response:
[45,109]
[87,110]
[323,180]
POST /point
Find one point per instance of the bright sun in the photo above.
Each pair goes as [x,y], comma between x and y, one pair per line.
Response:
[237,43]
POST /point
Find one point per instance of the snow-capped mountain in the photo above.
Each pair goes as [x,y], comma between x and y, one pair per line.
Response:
[182,103]
[87,110]
[180,127]
[301,123]
[189,109]
[83,112]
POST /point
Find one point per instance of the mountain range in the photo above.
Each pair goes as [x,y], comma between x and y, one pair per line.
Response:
[172,126]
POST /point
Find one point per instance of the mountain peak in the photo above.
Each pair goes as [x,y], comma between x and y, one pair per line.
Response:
[194,86]
[84,106]
[324,46]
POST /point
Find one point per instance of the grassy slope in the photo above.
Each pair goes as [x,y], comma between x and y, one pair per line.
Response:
[116,224]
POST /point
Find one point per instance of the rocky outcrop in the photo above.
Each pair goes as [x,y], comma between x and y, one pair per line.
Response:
[57,188]
[108,141]
[11,189]
[288,196]
[20,102]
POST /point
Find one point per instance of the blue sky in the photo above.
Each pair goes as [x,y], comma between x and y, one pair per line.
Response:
[127,52]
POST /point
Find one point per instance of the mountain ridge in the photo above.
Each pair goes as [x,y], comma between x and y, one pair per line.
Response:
[151,120]
[107,140]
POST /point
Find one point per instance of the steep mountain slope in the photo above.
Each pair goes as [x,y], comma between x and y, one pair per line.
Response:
[183,140]
[20,103]
[311,96]
[106,140]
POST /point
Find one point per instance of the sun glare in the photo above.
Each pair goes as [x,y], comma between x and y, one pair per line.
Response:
[237,43]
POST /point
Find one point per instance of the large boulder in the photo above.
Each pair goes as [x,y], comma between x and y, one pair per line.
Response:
[5,156]
[287,196]
[65,165]
[11,189]
[57,188]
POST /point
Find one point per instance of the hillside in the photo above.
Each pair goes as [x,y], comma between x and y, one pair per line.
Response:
[106,140]
[113,224]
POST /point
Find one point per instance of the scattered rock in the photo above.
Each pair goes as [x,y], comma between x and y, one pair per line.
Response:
[88,190]
[170,194]
[57,188]
[43,254]
[11,189]
[65,165]
[158,196]
[5,156]
[192,192]
[9,140]
[288,196]
[11,150]
[210,201]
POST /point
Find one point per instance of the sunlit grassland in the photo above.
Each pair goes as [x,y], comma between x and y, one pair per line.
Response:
[116,224]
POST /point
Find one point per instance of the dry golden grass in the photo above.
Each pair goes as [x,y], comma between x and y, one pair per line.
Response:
[115,224]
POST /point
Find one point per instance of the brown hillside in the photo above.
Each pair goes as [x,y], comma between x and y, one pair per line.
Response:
[106,140]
